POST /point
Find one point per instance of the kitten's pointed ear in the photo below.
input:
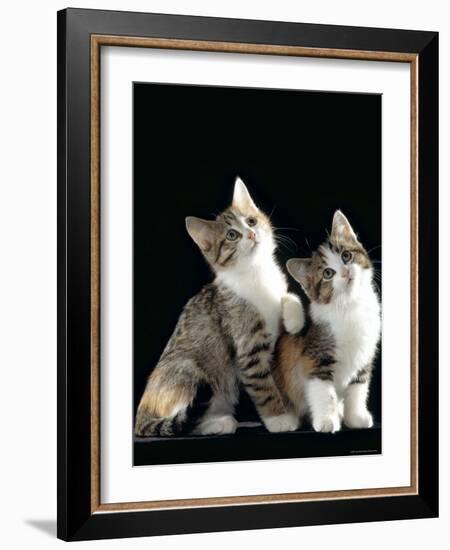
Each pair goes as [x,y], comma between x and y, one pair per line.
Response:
[202,232]
[300,268]
[341,229]
[241,197]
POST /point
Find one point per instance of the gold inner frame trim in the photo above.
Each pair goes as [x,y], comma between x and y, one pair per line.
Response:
[97,41]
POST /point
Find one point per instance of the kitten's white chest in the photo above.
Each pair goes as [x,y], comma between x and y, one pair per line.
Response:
[356,330]
[263,288]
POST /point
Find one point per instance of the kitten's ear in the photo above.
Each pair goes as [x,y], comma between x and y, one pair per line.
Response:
[300,269]
[241,197]
[341,229]
[202,232]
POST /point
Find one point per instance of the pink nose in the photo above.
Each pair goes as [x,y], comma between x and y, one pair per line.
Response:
[346,273]
[252,235]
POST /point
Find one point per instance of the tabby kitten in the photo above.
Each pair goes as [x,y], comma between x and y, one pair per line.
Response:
[326,368]
[225,335]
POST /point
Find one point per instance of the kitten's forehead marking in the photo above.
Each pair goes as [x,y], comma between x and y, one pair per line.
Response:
[228,217]
[329,257]
[233,219]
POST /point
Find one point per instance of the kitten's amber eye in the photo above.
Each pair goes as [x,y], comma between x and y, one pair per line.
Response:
[328,273]
[232,235]
[251,222]
[346,256]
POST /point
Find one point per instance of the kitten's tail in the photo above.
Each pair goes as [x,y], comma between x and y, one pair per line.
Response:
[181,423]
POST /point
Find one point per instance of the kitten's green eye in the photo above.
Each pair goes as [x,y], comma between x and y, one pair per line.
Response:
[232,235]
[346,256]
[251,222]
[328,273]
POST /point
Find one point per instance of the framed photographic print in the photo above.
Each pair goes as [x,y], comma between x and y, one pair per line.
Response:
[247,274]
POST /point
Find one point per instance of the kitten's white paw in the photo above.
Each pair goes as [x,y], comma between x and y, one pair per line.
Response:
[330,423]
[358,419]
[292,313]
[217,425]
[287,422]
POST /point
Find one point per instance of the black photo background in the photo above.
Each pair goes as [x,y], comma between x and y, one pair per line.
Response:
[301,154]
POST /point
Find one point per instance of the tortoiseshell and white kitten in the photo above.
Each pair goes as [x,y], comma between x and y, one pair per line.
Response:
[325,370]
[225,336]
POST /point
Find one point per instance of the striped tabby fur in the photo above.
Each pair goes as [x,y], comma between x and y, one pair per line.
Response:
[225,336]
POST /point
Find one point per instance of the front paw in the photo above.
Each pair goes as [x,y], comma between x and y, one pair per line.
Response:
[287,422]
[328,424]
[292,314]
[219,425]
[358,419]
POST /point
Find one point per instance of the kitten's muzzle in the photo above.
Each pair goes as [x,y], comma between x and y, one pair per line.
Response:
[251,235]
[347,274]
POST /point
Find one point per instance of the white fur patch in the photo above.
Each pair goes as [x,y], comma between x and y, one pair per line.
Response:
[354,318]
[217,425]
[292,313]
[283,423]
[261,282]
[356,414]
[324,405]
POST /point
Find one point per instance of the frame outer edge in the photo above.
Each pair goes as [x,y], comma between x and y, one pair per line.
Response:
[74,384]
[74,520]
[428,128]
[61,279]
[179,26]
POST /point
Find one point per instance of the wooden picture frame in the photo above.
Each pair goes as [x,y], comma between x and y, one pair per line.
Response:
[81,35]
